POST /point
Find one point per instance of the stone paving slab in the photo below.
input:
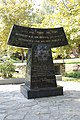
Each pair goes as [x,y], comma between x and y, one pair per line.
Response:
[13,105]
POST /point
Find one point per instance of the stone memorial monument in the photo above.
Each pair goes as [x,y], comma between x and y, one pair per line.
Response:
[40,76]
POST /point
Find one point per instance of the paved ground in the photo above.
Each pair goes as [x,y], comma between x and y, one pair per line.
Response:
[13,105]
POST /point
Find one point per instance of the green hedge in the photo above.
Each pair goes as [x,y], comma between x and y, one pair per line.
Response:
[75,74]
[7,69]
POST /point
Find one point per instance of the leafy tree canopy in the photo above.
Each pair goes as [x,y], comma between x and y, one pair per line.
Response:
[13,12]
[62,13]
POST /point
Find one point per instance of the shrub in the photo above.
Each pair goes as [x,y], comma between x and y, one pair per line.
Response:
[7,68]
[75,74]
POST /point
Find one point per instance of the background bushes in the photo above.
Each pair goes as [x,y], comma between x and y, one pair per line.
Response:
[74,74]
[7,68]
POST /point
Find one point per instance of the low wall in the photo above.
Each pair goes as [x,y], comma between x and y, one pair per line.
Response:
[12,81]
[59,77]
[20,80]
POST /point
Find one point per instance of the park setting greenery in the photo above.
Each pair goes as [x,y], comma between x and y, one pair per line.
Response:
[48,14]
[7,68]
[74,74]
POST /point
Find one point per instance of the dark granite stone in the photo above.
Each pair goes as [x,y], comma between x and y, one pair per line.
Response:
[40,76]
[26,37]
[42,92]
[40,72]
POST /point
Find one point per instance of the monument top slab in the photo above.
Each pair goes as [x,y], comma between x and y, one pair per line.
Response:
[25,37]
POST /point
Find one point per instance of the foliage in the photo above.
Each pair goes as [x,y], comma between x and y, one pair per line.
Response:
[71,79]
[62,13]
[65,14]
[75,74]
[72,63]
[12,12]
[16,56]
[7,68]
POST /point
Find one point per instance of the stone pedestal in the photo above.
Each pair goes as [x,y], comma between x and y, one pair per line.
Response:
[40,78]
[41,92]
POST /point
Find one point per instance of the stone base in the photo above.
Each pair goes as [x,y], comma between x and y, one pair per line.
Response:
[58,77]
[42,92]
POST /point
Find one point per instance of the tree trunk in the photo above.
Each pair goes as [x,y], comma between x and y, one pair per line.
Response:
[79,50]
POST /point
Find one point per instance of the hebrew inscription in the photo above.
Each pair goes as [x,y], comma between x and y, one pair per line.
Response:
[26,37]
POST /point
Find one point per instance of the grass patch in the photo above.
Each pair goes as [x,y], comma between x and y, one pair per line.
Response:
[71,79]
[73,74]
[72,62]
